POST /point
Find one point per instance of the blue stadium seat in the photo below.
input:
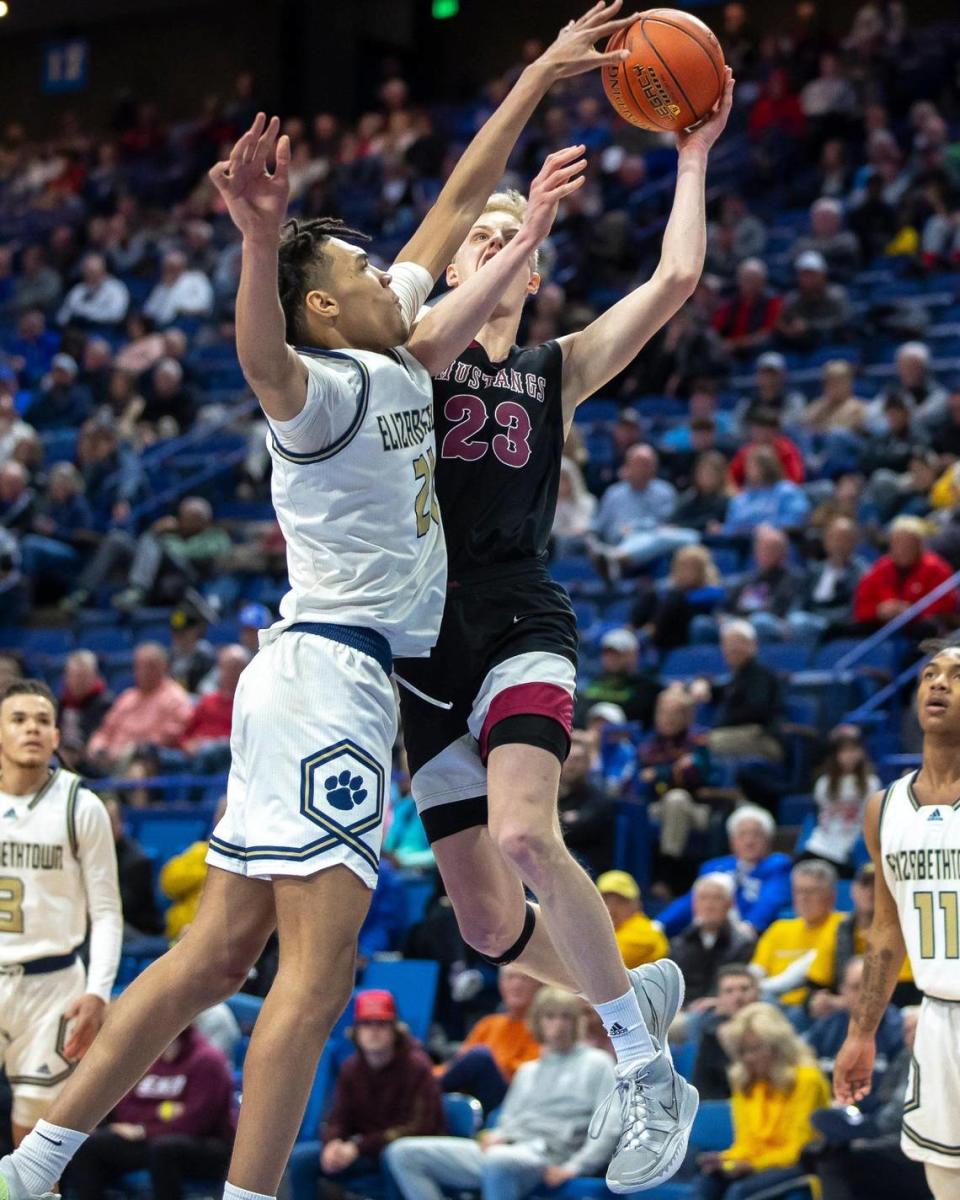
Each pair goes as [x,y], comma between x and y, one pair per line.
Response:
[687,661]
[246,1009]
[794,810]
[418,891]
[413,982]
[36,641]
[164,834]
[784,656]
[564,570]
[463,1114]
[106,638]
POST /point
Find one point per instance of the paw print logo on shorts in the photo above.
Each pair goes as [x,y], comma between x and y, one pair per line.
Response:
[344,791]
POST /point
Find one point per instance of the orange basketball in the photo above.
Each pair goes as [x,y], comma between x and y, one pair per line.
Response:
[674,75]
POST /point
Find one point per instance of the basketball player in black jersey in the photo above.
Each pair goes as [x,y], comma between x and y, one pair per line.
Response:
[487,716]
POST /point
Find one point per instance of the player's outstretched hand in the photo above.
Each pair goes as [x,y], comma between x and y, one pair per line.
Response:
[853,1070]
[710,128]
[573,51]
[86,1014]
[256,199]
[560,175]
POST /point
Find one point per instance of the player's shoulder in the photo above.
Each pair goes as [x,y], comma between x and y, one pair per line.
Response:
[545,356]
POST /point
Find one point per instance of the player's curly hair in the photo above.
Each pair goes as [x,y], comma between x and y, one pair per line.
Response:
[301,261]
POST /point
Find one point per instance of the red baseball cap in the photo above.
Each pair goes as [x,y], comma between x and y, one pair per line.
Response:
[374,1005]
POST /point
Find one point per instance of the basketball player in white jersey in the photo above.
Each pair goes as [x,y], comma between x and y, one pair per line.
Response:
[351,439]
[913,832]
[58,870]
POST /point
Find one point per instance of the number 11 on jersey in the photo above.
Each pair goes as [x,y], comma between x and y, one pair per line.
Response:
[425,506]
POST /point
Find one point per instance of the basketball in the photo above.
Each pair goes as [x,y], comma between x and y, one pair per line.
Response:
[674,75]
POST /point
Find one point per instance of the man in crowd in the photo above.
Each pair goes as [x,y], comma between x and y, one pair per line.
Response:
[620,680]
[749,705]
[787,949]
[497,1045]
[98,300]
[632,526]
[826,1035]
[736,988]
[141,917]
[385,1091]
[177,1123]
[713,940]
[901,577]
[639,940]
[541,1136]
[818,312]
[85,698]
[179,292]
[155,711]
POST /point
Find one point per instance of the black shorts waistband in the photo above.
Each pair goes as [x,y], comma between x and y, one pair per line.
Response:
[46,966]
[529,568]
[357,637]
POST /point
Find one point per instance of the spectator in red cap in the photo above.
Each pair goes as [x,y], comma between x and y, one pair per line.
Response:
[385,1091]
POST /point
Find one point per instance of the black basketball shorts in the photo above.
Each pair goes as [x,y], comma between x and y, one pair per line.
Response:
[506,657]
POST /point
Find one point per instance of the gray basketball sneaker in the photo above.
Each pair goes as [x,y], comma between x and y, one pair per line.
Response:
[10,1186]
[660,989]
[657,1106]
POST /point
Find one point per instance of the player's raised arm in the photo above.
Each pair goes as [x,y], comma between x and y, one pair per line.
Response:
[256,200]
[597,353]
[853,1069]
[449,326]
[482,165]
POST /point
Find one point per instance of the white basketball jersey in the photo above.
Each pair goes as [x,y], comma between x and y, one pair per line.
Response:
[360,516]
[43,898]
[920,848]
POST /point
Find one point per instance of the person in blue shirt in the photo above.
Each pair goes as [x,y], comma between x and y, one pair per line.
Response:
[62,528]
[632,525]
[827,1035]
[761,879]
[767,498]
[63,403]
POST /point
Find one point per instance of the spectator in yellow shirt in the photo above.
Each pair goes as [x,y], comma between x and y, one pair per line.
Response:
[182,879]
[640,941]
[790,946]
[849,942]
[776,1090]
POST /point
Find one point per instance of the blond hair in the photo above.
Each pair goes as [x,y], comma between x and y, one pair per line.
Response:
[552,1000]
[770,1027]
[700,555]
[515,204]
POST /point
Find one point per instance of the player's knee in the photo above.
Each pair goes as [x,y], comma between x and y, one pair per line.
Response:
[489,929]
[532,848]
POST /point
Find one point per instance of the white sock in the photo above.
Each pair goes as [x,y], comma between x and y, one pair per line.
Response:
[623,1022]
[44,1155]
[234,1193]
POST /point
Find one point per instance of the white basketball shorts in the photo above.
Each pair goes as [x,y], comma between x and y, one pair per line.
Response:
[33,1032]
[314,722]
[931,1113]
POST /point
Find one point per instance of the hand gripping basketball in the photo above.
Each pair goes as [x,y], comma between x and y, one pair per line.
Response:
[256,199]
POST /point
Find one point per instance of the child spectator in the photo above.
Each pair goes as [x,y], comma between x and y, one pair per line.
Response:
[843,787]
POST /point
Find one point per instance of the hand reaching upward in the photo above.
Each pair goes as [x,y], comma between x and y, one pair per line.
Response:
[256,199]
[573,51]
[561,174]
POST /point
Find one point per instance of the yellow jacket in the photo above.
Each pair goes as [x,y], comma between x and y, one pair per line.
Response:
[640,941]
[787,940]
[771,1127]
[182,881]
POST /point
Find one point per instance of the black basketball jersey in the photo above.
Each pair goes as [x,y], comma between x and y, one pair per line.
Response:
[499,446]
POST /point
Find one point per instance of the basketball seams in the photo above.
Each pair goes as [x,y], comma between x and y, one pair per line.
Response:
[676,81]
[706,48]
[642,107]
